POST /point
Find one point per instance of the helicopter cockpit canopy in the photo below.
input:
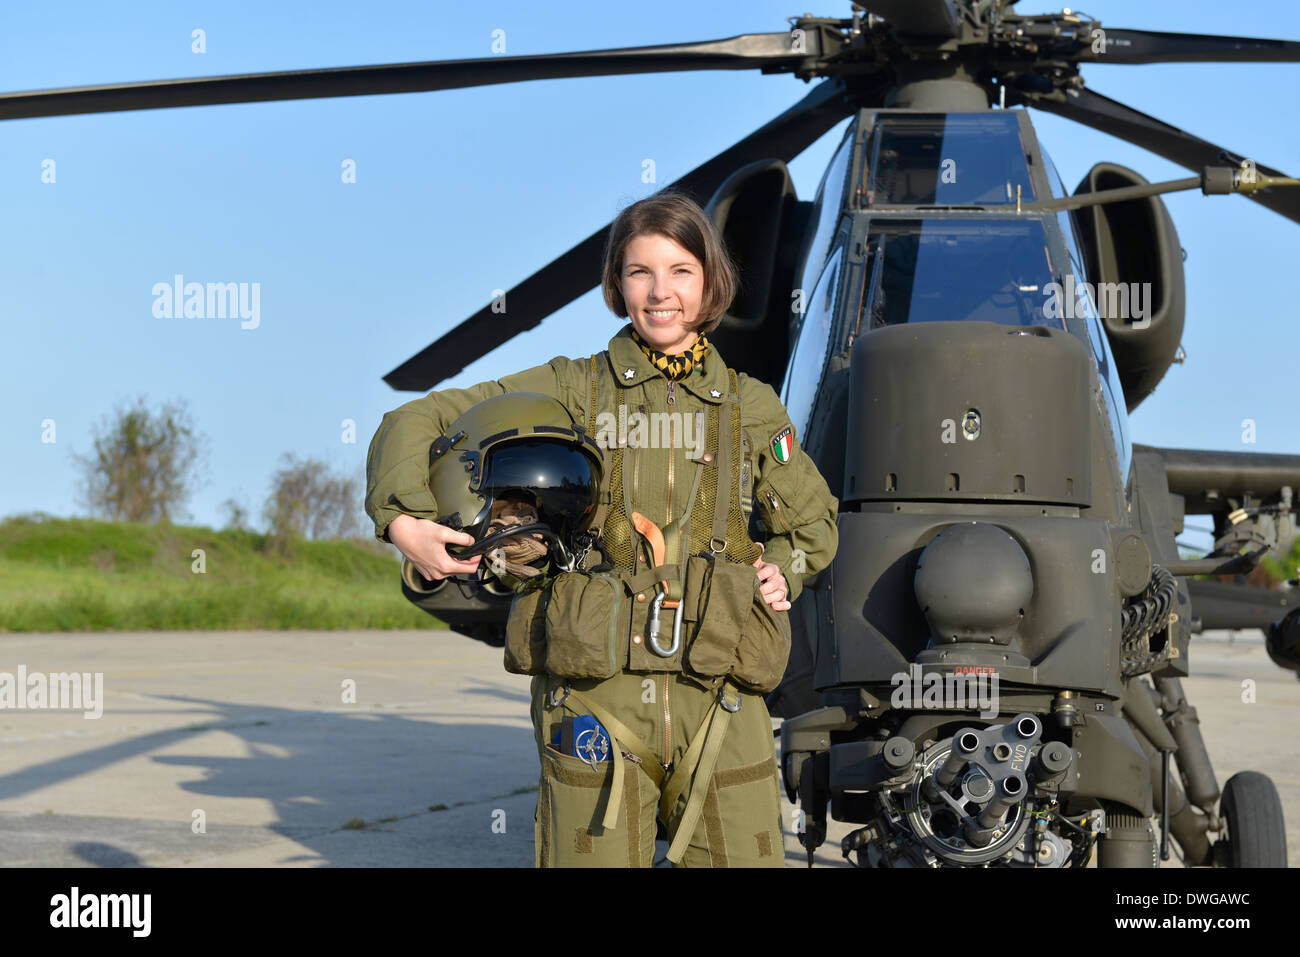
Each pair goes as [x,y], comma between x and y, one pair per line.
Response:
[949,270]
[954,159]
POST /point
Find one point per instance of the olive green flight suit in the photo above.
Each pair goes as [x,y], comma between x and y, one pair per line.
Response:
[738,821]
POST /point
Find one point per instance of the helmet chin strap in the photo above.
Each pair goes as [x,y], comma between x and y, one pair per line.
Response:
[563,557]
[498,538]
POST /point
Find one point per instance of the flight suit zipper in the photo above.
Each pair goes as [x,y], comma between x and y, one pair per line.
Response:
[668,721]
[776,512]
[672,449]
[636,469]
[668,727]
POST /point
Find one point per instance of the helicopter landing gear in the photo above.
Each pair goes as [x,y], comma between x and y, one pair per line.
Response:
[1252,814]
[1129,841]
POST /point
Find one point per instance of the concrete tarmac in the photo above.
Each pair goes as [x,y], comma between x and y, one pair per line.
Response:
[378,748]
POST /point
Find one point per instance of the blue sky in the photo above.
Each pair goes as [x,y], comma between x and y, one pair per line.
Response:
[459,193]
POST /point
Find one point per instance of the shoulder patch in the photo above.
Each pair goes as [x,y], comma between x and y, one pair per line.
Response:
[783,444]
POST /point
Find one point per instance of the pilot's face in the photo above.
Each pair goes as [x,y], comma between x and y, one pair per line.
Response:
[662,287]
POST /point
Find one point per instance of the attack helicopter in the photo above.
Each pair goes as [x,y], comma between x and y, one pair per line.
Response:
[980,542]
[998,528]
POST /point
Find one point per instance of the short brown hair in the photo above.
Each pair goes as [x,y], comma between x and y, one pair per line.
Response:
[676,216]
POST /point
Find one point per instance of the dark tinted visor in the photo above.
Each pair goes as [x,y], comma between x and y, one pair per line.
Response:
[559,478]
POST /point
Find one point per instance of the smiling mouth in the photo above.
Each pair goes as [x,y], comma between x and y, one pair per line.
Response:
[661,313]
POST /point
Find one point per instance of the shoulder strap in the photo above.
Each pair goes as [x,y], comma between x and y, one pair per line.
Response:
[592,395]
[740,546]
[593,408]
[728,476]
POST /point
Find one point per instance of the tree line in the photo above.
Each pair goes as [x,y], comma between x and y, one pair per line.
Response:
[145,463]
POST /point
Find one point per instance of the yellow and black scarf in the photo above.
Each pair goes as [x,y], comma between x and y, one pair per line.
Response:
[678,366]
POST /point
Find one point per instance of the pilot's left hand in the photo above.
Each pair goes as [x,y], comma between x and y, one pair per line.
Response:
[773,588]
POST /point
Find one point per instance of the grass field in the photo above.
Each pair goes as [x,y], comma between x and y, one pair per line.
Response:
[86,575]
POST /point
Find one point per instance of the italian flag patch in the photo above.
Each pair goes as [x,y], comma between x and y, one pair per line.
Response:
[783,444]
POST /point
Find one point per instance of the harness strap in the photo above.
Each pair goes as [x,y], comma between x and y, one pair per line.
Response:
[652,576]
[681,774]
[700,772]
[677,539]
[620,736]
[649,763]
[612,804]
[728,471]
[722,495]
[695,770]
[700,759]
[677,534]
[603,499]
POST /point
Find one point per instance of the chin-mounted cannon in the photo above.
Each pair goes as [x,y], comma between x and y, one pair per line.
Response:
[983,796]
[968,799]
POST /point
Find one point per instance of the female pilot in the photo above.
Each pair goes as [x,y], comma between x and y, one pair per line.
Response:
[688,739]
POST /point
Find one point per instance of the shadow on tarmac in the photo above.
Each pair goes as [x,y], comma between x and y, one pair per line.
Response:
[331,778]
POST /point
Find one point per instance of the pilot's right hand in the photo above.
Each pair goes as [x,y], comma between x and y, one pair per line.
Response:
[425,544]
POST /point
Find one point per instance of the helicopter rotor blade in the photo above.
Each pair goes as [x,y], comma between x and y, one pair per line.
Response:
[1148,46]
[766,51]
[576,271]
[1178,146]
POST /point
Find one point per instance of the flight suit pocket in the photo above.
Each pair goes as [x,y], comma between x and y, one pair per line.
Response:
[570,804]
[778,497]
[743,827]
[718,597]
[738,632]
[764,650]
[525,651]
[582,625]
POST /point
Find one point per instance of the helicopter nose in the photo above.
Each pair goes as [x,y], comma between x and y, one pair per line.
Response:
[973,582]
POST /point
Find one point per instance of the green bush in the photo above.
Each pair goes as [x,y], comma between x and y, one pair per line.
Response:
[89,575]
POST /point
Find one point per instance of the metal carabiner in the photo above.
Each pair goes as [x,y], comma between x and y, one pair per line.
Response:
[556,702]
[652,637]
[722,700]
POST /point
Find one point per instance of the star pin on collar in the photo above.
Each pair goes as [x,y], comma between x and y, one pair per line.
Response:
[628,373]
[715,393]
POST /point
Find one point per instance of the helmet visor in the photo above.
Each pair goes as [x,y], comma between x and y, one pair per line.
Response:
[559,478]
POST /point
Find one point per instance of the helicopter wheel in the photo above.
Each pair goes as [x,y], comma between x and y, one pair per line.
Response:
[1256,834]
